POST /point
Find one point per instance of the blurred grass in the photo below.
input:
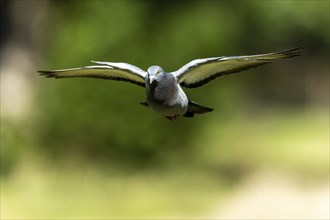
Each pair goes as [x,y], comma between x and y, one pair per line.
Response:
[39,191]
[292,140]
[294,143]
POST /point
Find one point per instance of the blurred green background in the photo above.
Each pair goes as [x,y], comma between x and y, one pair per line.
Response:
[84,148]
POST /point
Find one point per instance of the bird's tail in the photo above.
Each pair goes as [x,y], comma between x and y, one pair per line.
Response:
[195,108]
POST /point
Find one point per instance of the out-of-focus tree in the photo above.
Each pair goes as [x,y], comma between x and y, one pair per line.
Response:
[101,120]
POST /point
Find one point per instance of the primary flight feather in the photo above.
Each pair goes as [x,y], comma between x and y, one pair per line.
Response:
[163,90]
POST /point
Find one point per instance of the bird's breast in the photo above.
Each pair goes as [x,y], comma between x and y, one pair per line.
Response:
[167,99]
[161,91]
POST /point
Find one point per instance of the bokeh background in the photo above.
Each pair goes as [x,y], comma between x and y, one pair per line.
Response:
[84,148]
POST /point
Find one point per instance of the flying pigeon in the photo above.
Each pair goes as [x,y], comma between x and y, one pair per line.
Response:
[163,89]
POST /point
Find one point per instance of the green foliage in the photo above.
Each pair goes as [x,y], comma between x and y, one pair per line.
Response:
[102,122]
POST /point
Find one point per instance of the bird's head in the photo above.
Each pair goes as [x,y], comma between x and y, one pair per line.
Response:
[154,73]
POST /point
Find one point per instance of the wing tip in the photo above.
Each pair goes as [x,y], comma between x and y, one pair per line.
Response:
[293,52]
[47,73]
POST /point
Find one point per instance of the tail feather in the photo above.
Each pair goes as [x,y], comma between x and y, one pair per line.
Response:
[195,108]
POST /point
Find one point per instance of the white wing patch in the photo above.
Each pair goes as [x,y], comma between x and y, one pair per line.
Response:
[117,71]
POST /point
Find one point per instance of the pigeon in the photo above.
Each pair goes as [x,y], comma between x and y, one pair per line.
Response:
[164,93]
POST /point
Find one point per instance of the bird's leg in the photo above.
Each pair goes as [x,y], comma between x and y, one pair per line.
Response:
[144,104]
[171,118]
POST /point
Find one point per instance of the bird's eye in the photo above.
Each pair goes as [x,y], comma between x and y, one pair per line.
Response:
[158,71]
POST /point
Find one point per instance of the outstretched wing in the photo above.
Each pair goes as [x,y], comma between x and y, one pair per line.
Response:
[198,72]
[105,70]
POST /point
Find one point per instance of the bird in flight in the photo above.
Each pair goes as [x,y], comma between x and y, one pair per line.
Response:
[164,92]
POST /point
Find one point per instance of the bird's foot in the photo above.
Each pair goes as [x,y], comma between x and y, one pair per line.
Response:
[171,118]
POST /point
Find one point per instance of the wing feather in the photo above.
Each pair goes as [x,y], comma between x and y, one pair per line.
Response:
[115,71]
[199,72]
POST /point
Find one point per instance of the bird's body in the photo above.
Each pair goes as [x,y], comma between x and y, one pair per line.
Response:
[163,90]
[164,94]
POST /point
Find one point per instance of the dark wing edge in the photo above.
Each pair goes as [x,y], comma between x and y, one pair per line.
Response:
[255,61]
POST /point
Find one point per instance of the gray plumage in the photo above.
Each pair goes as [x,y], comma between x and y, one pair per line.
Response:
[163,90]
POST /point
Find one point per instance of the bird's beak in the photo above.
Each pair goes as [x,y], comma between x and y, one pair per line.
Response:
[151,78]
